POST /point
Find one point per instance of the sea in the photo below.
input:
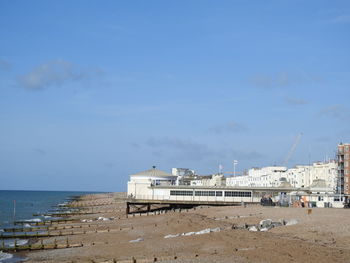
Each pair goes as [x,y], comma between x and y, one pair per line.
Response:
[18,205]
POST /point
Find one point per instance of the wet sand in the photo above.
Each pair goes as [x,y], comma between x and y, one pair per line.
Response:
[322,236]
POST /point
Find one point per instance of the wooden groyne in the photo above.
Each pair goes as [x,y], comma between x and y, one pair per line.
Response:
[52,233]
[40,246]
[49,227]
[48,222]
[64,214]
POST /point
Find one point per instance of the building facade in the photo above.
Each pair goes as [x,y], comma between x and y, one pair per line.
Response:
[344,169]
[300,176]
[270,176]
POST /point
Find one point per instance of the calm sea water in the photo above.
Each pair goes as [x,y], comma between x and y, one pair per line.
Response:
[29,203]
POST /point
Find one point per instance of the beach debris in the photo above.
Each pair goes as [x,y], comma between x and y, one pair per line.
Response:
[136,240]
[172,236]
[235,217]
[188,234]
[291,222]
[267,224]
[201,232]
[253,229]
[101,218]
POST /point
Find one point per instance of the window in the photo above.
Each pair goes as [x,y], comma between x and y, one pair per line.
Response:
[204,193]
[218,193]
[238,194]
[177,192]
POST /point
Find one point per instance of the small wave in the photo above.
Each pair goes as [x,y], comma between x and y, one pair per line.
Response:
[4,256]
[27,225]
[33,220]
[2,230]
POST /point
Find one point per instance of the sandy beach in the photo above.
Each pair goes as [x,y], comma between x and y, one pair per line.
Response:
[320,236]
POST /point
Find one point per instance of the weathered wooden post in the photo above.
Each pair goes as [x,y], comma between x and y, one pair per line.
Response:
[127,208]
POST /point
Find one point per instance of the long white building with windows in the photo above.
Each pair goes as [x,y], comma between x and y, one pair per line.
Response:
[314,184]
[298,177]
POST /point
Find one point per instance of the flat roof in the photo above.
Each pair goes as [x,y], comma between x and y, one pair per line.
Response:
[196,187]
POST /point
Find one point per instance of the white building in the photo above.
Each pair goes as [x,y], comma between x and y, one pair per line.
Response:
[139,183]
[214,180]
[154,186]
[299,176]
[270,176]
[182,172]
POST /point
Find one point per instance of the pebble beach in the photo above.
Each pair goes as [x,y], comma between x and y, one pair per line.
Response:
[102,232]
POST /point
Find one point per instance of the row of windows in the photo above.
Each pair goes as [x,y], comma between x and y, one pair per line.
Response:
[208,193]
[240,194]
[175,192]
[211,193]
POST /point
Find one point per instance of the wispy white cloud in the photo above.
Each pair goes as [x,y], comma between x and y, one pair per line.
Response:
[52,74]
[230,127]
[5,65]
[339,112]
[283,79]
[196,151]
[39,151]
[341,19]
[295,101]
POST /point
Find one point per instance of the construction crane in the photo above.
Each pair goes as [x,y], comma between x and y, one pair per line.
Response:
[292,149]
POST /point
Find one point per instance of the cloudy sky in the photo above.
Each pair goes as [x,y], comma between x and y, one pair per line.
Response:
[92,91]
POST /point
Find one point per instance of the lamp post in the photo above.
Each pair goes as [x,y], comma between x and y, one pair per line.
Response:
[235,162]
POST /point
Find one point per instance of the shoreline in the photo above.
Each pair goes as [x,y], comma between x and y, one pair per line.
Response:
[110,236]
[33,224]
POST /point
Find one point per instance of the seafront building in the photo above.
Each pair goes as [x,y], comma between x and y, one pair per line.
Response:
[344,169]
[156,187]
[300,176]
[211,180]
[322,184]
[271,176]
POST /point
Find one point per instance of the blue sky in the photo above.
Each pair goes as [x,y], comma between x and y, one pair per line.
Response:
[92,91]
